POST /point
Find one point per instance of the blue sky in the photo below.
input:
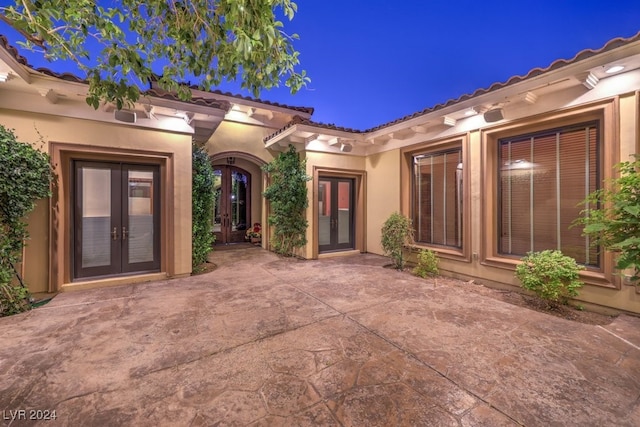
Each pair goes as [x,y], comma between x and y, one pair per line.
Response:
[374,61]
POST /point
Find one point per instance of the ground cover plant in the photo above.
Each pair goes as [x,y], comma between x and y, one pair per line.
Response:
[427,264]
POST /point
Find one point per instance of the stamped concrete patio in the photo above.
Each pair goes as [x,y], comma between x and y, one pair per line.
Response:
[267,341]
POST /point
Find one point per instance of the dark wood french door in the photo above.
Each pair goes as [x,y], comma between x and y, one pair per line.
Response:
[335,214]
[116,218]
[232,204]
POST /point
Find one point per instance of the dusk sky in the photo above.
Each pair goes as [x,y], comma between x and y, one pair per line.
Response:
[374,61]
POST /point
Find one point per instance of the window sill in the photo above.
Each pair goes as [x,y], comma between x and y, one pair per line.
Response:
[442,252]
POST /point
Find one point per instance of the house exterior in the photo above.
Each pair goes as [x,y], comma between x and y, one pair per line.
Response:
[485,177]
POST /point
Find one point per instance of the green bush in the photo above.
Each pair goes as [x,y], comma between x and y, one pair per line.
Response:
[397,232]
[613,217]
[202,197]
[427,263]
[551,275]
[13,299]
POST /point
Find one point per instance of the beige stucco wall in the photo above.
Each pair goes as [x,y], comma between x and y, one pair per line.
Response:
[383,194]
[232,136]
[592,296]
[28,128]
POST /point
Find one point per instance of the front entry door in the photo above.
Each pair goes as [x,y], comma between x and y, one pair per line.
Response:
[232,204]
[335,214]
[116,219]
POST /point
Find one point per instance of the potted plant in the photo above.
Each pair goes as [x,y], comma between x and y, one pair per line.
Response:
[254,234]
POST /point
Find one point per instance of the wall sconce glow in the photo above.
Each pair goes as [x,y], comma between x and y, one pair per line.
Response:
[614,69]
[4,77]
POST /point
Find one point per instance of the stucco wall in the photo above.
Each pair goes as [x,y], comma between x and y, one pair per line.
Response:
[627,297]
[232,136]
[29,127]
[383,194]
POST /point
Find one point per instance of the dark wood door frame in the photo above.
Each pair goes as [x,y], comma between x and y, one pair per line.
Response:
[336,217]
[231,232]
[119,221]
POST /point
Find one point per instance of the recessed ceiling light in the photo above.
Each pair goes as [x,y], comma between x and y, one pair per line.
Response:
[614,69]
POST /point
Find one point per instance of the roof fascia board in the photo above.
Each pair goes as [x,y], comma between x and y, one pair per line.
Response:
[37,104]
[15,66]
[330,132]
[250,103]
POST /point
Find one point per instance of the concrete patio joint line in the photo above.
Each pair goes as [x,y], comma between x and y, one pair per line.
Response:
[619,337]
[416,358]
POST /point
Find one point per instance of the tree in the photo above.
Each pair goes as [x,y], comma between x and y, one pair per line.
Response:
[612,218]
[119,47]
[287,195]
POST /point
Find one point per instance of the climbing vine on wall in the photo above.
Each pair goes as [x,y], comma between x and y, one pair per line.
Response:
[202,206]
[25,177]
[287,195]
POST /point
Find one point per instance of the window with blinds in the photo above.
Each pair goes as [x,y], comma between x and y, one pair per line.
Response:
[543,177]
[437,198]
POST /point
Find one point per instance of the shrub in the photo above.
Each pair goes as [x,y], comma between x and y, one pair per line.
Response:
[13,299]
[202,206]
[551,275]
[397,232]
[427,263]
[615,223]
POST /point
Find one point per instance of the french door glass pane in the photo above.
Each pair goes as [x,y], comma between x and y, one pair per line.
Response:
[238,201]
[96,217]
[324,217]
[140,232]
[344,212]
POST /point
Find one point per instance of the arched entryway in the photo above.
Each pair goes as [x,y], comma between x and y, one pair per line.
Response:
[232,203]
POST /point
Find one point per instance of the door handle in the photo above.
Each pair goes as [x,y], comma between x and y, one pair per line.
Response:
[124,233]
[114,233]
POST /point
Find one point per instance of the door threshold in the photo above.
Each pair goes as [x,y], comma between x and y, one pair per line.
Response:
[112,281]
[339,253]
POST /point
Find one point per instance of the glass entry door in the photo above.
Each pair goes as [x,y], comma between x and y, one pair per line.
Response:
[116,218]
[232,204]
[335,214]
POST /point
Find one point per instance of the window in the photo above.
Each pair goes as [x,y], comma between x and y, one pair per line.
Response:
[542,178]
[437,198]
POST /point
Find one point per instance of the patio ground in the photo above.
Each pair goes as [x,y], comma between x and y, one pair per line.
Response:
[341,341]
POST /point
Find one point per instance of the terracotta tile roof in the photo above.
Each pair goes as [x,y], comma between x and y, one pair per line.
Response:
[560,63]
[298,120]
[12,50]
[200,101]
[308,110]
